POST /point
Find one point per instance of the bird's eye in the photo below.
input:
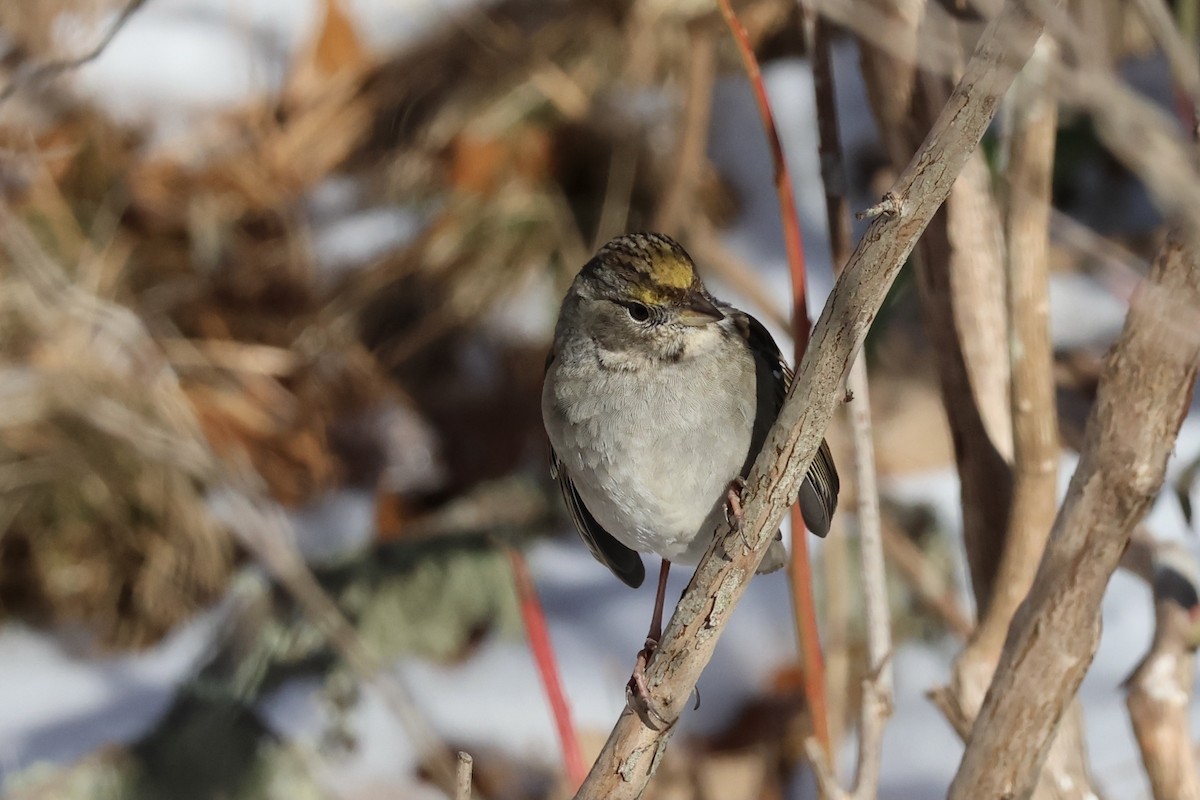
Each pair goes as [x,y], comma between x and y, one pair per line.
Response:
[638,312]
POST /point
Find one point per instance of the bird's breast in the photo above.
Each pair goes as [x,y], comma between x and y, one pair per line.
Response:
[652,451]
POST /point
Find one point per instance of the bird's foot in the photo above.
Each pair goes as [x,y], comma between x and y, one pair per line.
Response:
[637,693]
[735,501]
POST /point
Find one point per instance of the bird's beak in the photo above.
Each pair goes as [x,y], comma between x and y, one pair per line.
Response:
[698,310]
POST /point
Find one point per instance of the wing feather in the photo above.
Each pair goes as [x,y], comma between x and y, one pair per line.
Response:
[625,563]
[819,492]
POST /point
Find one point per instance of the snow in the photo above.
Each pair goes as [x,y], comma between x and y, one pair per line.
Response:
[59,705]
[920,750]
[175,62]
[382,752]
[494,699]
[1082,313]
[335,525]
[206,56]
[356,239]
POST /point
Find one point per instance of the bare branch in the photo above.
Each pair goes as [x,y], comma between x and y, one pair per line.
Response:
[889,206]
[799,563]
[950,265]
[634,750]
[876,703]
[52,69]
[925,581]
[877,686]
[1159,692]
[1141,401]
[462,776]
[1035,427]
[1137,131]
[1184,66]
[975,233]
[1030,163]
[835,553]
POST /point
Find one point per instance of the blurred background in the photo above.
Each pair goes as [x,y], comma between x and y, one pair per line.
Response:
[279,277]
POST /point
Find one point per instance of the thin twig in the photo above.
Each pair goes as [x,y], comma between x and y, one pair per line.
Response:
[633,750]
[829,145]
[462,776]
[800,563]
[52,69]
[835,552]
[697,110]
[877,687]
[877,696]
[1185,68]
[889,206]
[925,581]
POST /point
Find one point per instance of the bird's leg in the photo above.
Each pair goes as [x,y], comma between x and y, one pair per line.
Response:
[735,497]
[638,693]
[655,633]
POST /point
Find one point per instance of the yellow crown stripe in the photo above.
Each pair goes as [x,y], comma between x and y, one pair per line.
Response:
[670,270]
[654,295]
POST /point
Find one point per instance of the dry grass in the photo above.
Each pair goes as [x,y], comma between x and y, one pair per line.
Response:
[500,124]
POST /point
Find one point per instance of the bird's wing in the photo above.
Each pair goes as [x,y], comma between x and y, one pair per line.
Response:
[819,492]
[625,563]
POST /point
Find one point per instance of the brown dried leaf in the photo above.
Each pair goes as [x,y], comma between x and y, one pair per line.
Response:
[337,47]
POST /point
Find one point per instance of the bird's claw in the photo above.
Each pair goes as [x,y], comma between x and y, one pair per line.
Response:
[637,693]
[735,497]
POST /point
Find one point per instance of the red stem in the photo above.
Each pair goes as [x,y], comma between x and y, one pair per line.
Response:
[807,631]
[800,565]
[534,618]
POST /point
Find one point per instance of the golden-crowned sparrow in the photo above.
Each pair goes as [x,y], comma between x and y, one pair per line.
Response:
[657,398]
